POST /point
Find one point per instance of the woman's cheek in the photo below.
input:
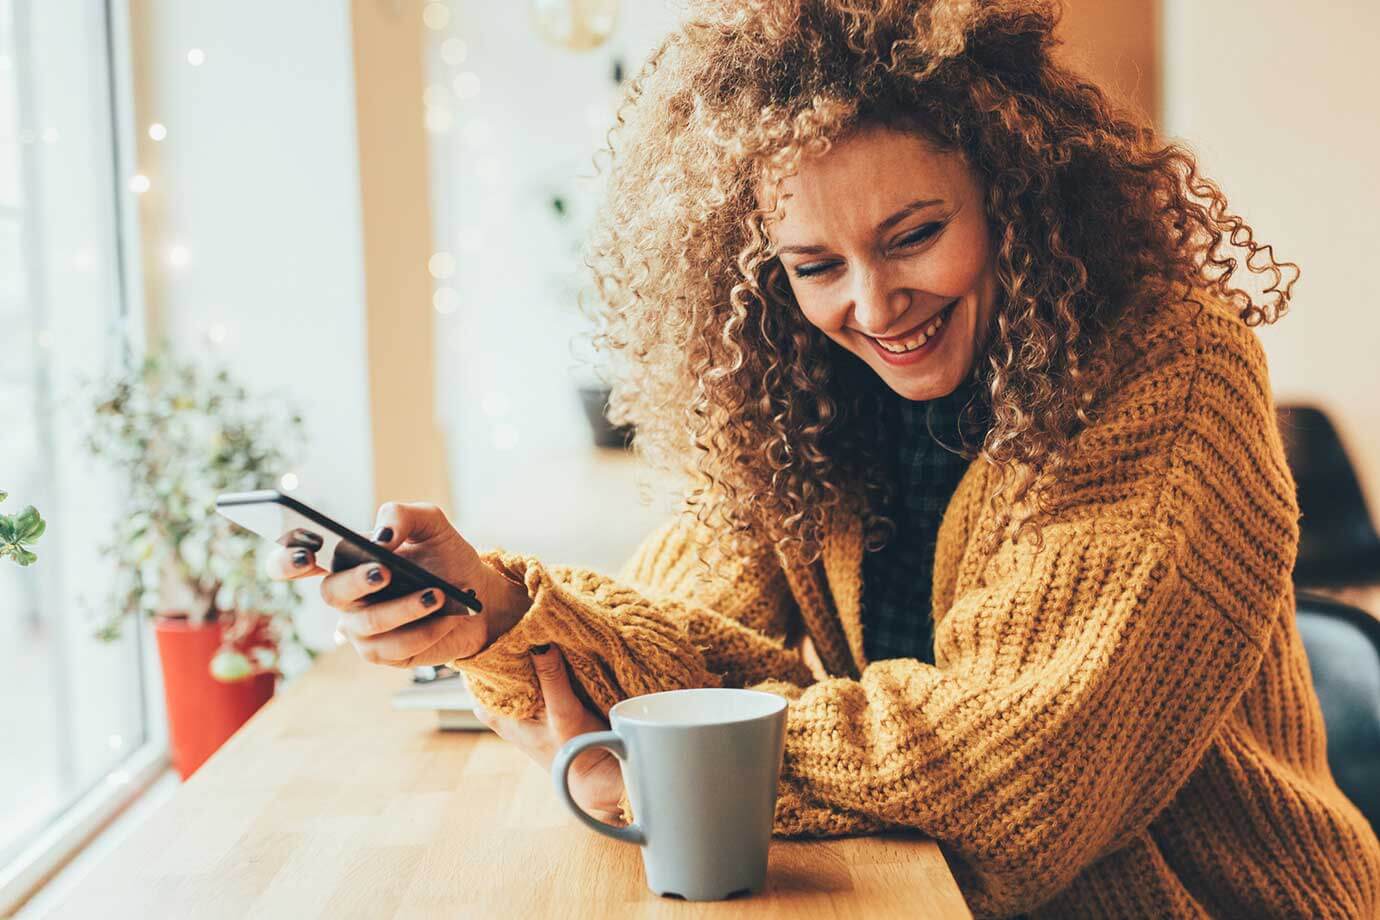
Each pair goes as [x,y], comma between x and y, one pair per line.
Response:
[818,314]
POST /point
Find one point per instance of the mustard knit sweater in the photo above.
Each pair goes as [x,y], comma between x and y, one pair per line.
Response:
[1119,723]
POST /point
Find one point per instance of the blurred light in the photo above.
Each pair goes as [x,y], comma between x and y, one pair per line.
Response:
[466,84]
[436,16]
[45,339]
[435,94]
[438,119]
[138,183]
[27,136]
[288,482]
[441,265]
[577,25]
[117,777]
[178,255]
[505,437]
[115,742]
[454,51]
[157,131]
[196,57]
[6,63]
[494,405]
[50,135]
[216,333]
[446,300]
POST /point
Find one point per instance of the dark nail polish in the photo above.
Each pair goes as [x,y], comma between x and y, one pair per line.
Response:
[540,649]
[428,598]
[299,558]
[383,535]
[374,575]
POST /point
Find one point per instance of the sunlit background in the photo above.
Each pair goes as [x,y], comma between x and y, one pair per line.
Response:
[371,214]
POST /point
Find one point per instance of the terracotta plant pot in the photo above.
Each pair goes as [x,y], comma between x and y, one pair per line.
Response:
[202,711]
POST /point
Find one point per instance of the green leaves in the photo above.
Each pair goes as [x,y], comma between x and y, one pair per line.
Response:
[18,532]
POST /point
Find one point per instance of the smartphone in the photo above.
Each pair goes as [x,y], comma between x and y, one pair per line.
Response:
[289,522]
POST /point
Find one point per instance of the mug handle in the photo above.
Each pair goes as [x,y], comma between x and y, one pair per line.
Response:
[560,772]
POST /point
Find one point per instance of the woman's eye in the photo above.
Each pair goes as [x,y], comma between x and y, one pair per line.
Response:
[814,268]
[913,238]
[919,235]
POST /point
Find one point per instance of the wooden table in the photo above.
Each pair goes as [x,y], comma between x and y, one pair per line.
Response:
[329,803]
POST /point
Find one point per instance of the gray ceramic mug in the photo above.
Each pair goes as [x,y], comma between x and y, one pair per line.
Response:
[701,768]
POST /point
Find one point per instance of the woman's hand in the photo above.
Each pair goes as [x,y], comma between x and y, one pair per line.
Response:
[596,782]
[394,632]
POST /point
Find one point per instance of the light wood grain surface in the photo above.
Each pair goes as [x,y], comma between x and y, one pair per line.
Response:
[331,804]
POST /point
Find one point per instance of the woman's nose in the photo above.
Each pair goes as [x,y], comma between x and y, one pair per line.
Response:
[877,306]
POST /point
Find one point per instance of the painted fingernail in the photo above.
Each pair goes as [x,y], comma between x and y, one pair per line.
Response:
[428,598]
[383,535]
[374,575]
[540,649]
[300,557]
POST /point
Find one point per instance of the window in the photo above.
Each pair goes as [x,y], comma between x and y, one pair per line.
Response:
[73,714]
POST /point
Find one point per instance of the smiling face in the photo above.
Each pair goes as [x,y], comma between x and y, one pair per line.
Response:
[886,245]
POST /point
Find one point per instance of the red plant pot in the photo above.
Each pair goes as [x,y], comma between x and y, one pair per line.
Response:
[202,711]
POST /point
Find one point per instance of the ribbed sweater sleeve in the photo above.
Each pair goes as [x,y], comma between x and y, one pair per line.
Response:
[663,624]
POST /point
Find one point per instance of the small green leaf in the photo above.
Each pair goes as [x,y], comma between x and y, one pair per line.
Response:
[29,526]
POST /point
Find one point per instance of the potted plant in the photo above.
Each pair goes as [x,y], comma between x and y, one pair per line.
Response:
[178,435]
[18,532]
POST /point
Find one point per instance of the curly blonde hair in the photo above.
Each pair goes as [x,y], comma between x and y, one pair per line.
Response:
[712,358]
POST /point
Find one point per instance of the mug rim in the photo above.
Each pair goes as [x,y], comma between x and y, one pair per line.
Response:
[775,697]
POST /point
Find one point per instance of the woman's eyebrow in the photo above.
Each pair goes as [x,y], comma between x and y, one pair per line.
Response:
[893,220]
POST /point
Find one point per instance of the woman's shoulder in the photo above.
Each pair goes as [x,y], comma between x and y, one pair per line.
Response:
[1187,413]
[1188,357]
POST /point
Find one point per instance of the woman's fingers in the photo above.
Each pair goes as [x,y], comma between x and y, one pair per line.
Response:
[564,710]
[344,590]
[409,522]
[288,562]
[375,619]
[400,645]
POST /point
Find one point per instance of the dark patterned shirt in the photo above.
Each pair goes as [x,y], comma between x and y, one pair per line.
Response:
[927,462]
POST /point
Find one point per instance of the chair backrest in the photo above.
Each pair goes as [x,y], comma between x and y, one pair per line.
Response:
[1343,645]
[1337,541]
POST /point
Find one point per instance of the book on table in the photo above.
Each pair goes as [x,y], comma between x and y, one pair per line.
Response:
[443,690]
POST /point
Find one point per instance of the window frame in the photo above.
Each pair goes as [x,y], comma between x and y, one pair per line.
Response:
[82,820]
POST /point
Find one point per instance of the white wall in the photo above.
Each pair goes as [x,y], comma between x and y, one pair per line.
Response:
[258,179]
[1278,99]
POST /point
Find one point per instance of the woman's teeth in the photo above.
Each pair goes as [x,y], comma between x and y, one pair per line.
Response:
[901,346]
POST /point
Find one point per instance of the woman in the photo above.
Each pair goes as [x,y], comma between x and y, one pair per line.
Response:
[943,330]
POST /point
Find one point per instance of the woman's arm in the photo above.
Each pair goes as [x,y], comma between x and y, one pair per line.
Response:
[663,624]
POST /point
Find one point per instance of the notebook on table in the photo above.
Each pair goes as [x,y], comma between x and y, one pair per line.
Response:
[442,690]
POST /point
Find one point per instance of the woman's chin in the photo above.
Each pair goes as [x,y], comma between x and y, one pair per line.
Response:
[921,383]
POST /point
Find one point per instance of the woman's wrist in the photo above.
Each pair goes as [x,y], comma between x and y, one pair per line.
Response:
[506,601]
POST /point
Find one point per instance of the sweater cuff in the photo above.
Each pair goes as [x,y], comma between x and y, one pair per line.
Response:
[501,677]
[616,643]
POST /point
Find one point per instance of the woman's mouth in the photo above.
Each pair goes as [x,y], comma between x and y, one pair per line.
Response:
[918,342]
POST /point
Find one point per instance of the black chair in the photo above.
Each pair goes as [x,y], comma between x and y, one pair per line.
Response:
[1338,544]
[1343,645]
